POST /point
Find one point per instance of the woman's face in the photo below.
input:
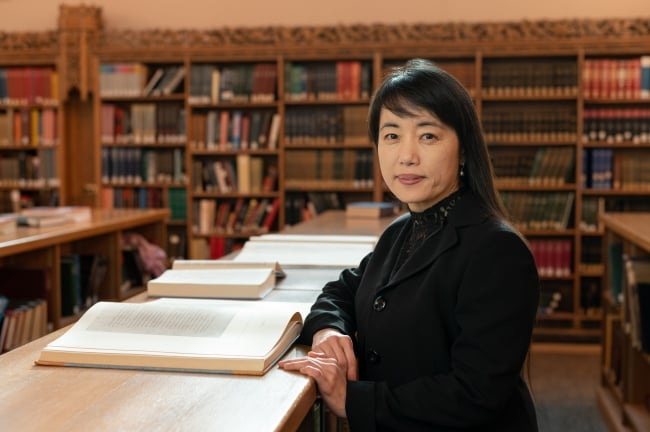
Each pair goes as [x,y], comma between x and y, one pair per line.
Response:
[418,157]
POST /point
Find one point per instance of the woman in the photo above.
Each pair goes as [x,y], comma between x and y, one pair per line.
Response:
[432,329]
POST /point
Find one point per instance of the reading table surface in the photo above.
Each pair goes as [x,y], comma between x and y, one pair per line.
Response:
[83,399]
[27,239]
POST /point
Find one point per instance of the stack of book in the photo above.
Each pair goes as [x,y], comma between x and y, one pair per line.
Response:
[52,216]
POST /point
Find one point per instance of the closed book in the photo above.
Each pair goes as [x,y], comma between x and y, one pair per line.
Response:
[153,81]
[188,335]
[369,209]
[51,215]
[43,221]
[214,279]
[637,301]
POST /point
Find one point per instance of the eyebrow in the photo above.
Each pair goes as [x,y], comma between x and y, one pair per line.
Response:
[420,124]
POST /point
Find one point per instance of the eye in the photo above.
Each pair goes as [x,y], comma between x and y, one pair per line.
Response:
[428,136]
[390,136]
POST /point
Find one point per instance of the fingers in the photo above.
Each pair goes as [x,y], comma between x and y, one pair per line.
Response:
[352,367]
[312,357]
[328,375]
[340,348]
[324,370]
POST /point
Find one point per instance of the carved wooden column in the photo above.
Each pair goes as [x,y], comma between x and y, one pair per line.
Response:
[79,28]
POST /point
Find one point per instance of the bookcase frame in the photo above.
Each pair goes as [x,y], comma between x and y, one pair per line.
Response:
[624,385]
[41,50]
[82,43]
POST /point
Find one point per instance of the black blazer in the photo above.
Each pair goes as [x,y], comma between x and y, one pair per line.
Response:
[440,344]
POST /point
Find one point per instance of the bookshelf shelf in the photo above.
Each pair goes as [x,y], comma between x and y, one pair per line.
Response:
[507,186]
[643,192]
[176,97]
[531,96]
[270,194]
[621,144]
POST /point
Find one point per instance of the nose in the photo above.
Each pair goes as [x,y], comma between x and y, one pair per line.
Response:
[408,153]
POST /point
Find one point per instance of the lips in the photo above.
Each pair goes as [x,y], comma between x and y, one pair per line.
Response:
[409,179]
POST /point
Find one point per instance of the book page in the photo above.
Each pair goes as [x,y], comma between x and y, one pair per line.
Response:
[318,238]
[305,253]
[153,321]
[213,276]
[199,264]
[181,327]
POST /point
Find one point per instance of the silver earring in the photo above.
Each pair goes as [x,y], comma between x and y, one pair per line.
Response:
[462,173]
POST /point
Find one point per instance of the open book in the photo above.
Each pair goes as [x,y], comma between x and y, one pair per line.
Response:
[307,250]
[216,279]
[191,335]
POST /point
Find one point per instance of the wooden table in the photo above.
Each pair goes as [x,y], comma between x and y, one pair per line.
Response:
[78,399]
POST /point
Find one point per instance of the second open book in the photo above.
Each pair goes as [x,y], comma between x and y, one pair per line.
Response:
[254,271]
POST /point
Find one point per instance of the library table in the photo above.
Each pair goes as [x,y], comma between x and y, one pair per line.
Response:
[82,399]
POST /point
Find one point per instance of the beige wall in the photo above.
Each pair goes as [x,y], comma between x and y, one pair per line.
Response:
[30,15]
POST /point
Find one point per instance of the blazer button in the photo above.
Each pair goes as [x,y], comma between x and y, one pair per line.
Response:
[373,357]
[379,304]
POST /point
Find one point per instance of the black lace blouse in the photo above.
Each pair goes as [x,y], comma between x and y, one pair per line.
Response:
[425,224]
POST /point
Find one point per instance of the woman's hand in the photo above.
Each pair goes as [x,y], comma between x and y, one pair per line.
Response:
[331,363]
[329,376]
[331,343]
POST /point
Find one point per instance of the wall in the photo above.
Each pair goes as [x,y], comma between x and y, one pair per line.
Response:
[35,15]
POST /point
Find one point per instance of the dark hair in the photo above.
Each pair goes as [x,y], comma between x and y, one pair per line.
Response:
[421,84]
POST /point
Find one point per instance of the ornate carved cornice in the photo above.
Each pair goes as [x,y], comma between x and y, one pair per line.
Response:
[281,38]
[24,42]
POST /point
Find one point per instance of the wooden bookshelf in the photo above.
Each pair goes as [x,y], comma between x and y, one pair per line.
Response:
[141,139]
[624,393]
[234,115]
[44,248]
[543,89]
[32,146]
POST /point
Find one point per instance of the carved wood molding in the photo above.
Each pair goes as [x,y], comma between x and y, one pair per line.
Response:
[378,35]
[26,42]
[79,27]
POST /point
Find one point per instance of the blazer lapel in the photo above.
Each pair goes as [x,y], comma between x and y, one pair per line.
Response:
[467,212]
